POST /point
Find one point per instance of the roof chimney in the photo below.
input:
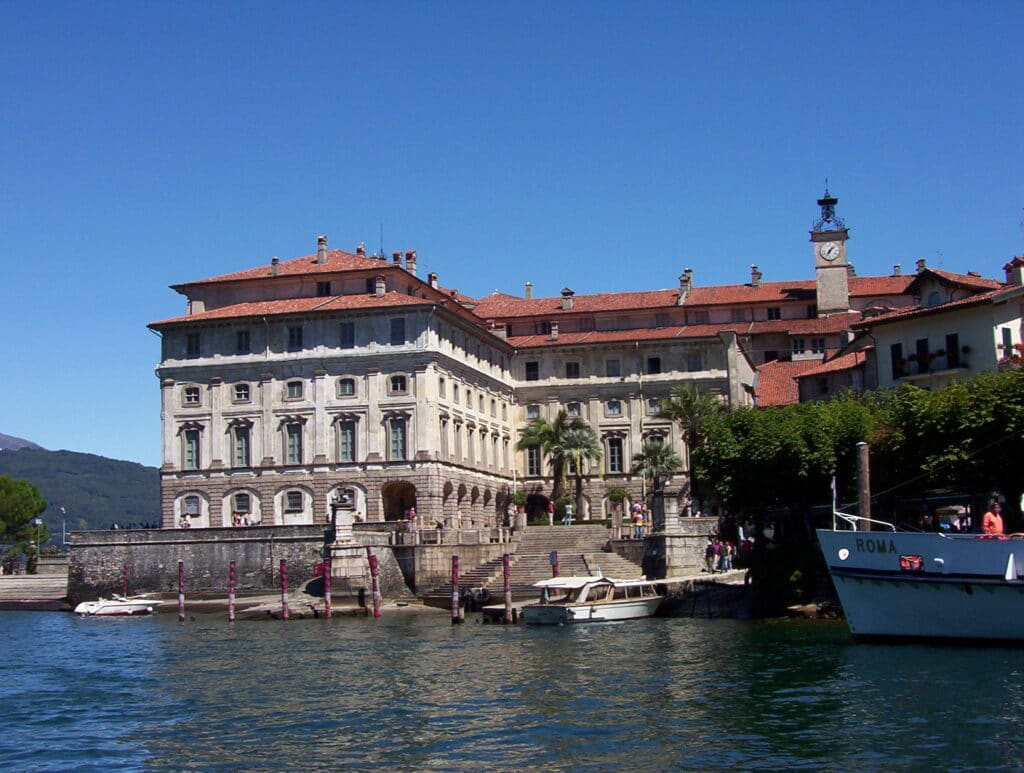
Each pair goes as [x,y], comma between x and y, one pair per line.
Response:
[432,279]
[554,331]
[1015,271]
[528,292]
[321,249]
[896,270]
[685,285]
[920,265]
[396,258]
[410,261]
[567,299]
[275,266]
[378,285]
[850,270]
[755,276]
[361,249]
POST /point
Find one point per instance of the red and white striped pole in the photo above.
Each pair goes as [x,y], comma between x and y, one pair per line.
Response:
[124,580]
[456,608]
[327,584]
[284,589]
[554,563]
[375,584]
[232,579]
[181,591]
[506,577]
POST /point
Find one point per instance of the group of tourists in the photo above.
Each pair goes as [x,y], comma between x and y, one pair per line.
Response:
[720,555]
[641,517]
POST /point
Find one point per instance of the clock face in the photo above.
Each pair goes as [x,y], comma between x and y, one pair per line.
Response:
[829,250]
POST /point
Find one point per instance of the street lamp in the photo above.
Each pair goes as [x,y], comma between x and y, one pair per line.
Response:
[39,523]
[660,481]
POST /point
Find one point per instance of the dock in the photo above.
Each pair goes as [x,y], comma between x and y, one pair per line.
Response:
[43,592]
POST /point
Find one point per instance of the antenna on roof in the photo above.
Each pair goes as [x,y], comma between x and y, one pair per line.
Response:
[382,238]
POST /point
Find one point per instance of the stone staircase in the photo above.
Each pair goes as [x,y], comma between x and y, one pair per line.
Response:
[580,552]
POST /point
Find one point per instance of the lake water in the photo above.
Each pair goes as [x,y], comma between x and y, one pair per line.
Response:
[413,692]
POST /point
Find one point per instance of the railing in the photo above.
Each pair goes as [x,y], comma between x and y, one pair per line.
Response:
[481,536]
[855,520]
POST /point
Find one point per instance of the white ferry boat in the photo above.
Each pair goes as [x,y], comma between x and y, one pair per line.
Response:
[566,600]
[931,585]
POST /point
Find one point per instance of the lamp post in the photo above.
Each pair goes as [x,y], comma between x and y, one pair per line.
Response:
[660,481]
[39,523]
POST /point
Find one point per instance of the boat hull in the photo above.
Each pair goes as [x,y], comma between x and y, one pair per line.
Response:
[897,585]
[565,614]
[115,608]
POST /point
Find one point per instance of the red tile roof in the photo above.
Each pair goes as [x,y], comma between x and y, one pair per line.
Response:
[620,336]
[776,382]
[974,281]
[923,311]
[298,306]
[846,361]
[817,326]
[337,260]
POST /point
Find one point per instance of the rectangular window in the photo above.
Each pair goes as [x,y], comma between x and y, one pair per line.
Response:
[192,346]
[533,371]
[504,411]
[896,361]
[574,410]
[923,357]
[799,346]
[371,286]
[192,396]
[533,411]
[653,365]
[191,449]
[818,345]
[953,350]
[1007,334]
[293,390]
[347,441]
[615,454]
[480,403]
[701,317]
[323,289]
[774,312]
[293,502]
[586,324]
[242,503]
[455,395]
[572,370]
[242,345]
[494,408]
[241,393]
[738,315]
[812,311]
[398,444]
[612,368]
[347,331]
[693,362]
[346,387]
[613,408]
[543,328]
[823,386]
[653,404]
[441,388]
[533,461]
[293,443]
[397,331]
[294,338]
[661,320]
[396,385]
[242,455]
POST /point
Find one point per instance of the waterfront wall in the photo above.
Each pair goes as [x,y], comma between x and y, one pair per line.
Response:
[681,552]
[429,566]
[98,558]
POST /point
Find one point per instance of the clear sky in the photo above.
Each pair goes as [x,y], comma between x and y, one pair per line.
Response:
[598,146]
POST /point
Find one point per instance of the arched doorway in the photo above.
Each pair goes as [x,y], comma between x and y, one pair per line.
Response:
[537,507]
[397,498]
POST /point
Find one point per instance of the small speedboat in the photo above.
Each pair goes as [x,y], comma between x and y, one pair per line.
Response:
[117,605]
[567,600]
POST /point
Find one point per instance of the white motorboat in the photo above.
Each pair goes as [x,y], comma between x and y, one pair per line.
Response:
[567,600]
[117,605]
[932,585]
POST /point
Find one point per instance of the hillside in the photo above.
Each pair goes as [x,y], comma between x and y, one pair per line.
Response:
[11,443]
[93,490]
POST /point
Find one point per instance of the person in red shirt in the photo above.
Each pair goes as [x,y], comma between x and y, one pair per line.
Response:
[992,521]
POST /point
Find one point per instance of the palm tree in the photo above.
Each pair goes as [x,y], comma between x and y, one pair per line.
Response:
[656,459]
[579,445]
[692,410]
[550,437]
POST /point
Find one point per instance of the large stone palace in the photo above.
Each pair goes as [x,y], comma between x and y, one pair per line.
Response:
[343,375]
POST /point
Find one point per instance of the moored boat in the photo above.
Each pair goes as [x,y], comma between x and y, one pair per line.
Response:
[566,600]
[927,585]
[117,606]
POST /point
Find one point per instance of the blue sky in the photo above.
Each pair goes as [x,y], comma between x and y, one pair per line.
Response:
[599,146]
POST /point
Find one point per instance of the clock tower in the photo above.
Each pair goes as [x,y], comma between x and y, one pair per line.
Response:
[829,235]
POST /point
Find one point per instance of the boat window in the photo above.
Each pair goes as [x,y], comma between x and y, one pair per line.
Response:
[621,593]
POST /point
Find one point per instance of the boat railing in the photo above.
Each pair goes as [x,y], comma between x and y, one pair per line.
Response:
[857,521]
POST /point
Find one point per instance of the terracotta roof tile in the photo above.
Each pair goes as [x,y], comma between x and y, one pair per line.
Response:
[776,382]
[846,361]
[619,336]
[337,260]
[298,306]
[817,326]
[923,311]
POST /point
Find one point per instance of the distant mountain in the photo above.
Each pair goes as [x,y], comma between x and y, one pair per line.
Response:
[93,490]
[11,443]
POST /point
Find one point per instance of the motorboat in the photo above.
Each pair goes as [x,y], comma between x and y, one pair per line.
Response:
[117,605]
[581,599]
[925,585]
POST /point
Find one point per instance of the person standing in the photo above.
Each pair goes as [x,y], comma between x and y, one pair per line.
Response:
[992,521]
[567,520]
[551,513]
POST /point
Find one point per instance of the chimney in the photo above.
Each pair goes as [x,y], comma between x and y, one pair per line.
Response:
[361,250]
[528,293]
[554,331]
[275,266]
[755,276]
[850,270]
[321,249]
[1015,271]
[378,286]
[896,270]
[410,261]
[432,279]
[920,265]
[685,285]
[567,299]
[396,258]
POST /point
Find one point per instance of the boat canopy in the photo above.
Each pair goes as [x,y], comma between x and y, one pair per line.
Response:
[574,582]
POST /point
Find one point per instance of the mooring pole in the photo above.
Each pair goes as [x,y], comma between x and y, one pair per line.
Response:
[506,578]
[181,591]
[456,608]
[864,485]
[554,563]
[284,589]
[232,579]
[375,584]
[327,584]
[124,580]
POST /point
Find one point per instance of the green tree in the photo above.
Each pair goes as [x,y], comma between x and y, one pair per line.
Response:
[20,506]
[693,411]
[551,437]
[655,459]
[579,445]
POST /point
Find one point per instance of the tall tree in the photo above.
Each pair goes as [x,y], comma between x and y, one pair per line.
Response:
[579,445]
[20,506]
[693,411]
[550,438]
[656,458]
